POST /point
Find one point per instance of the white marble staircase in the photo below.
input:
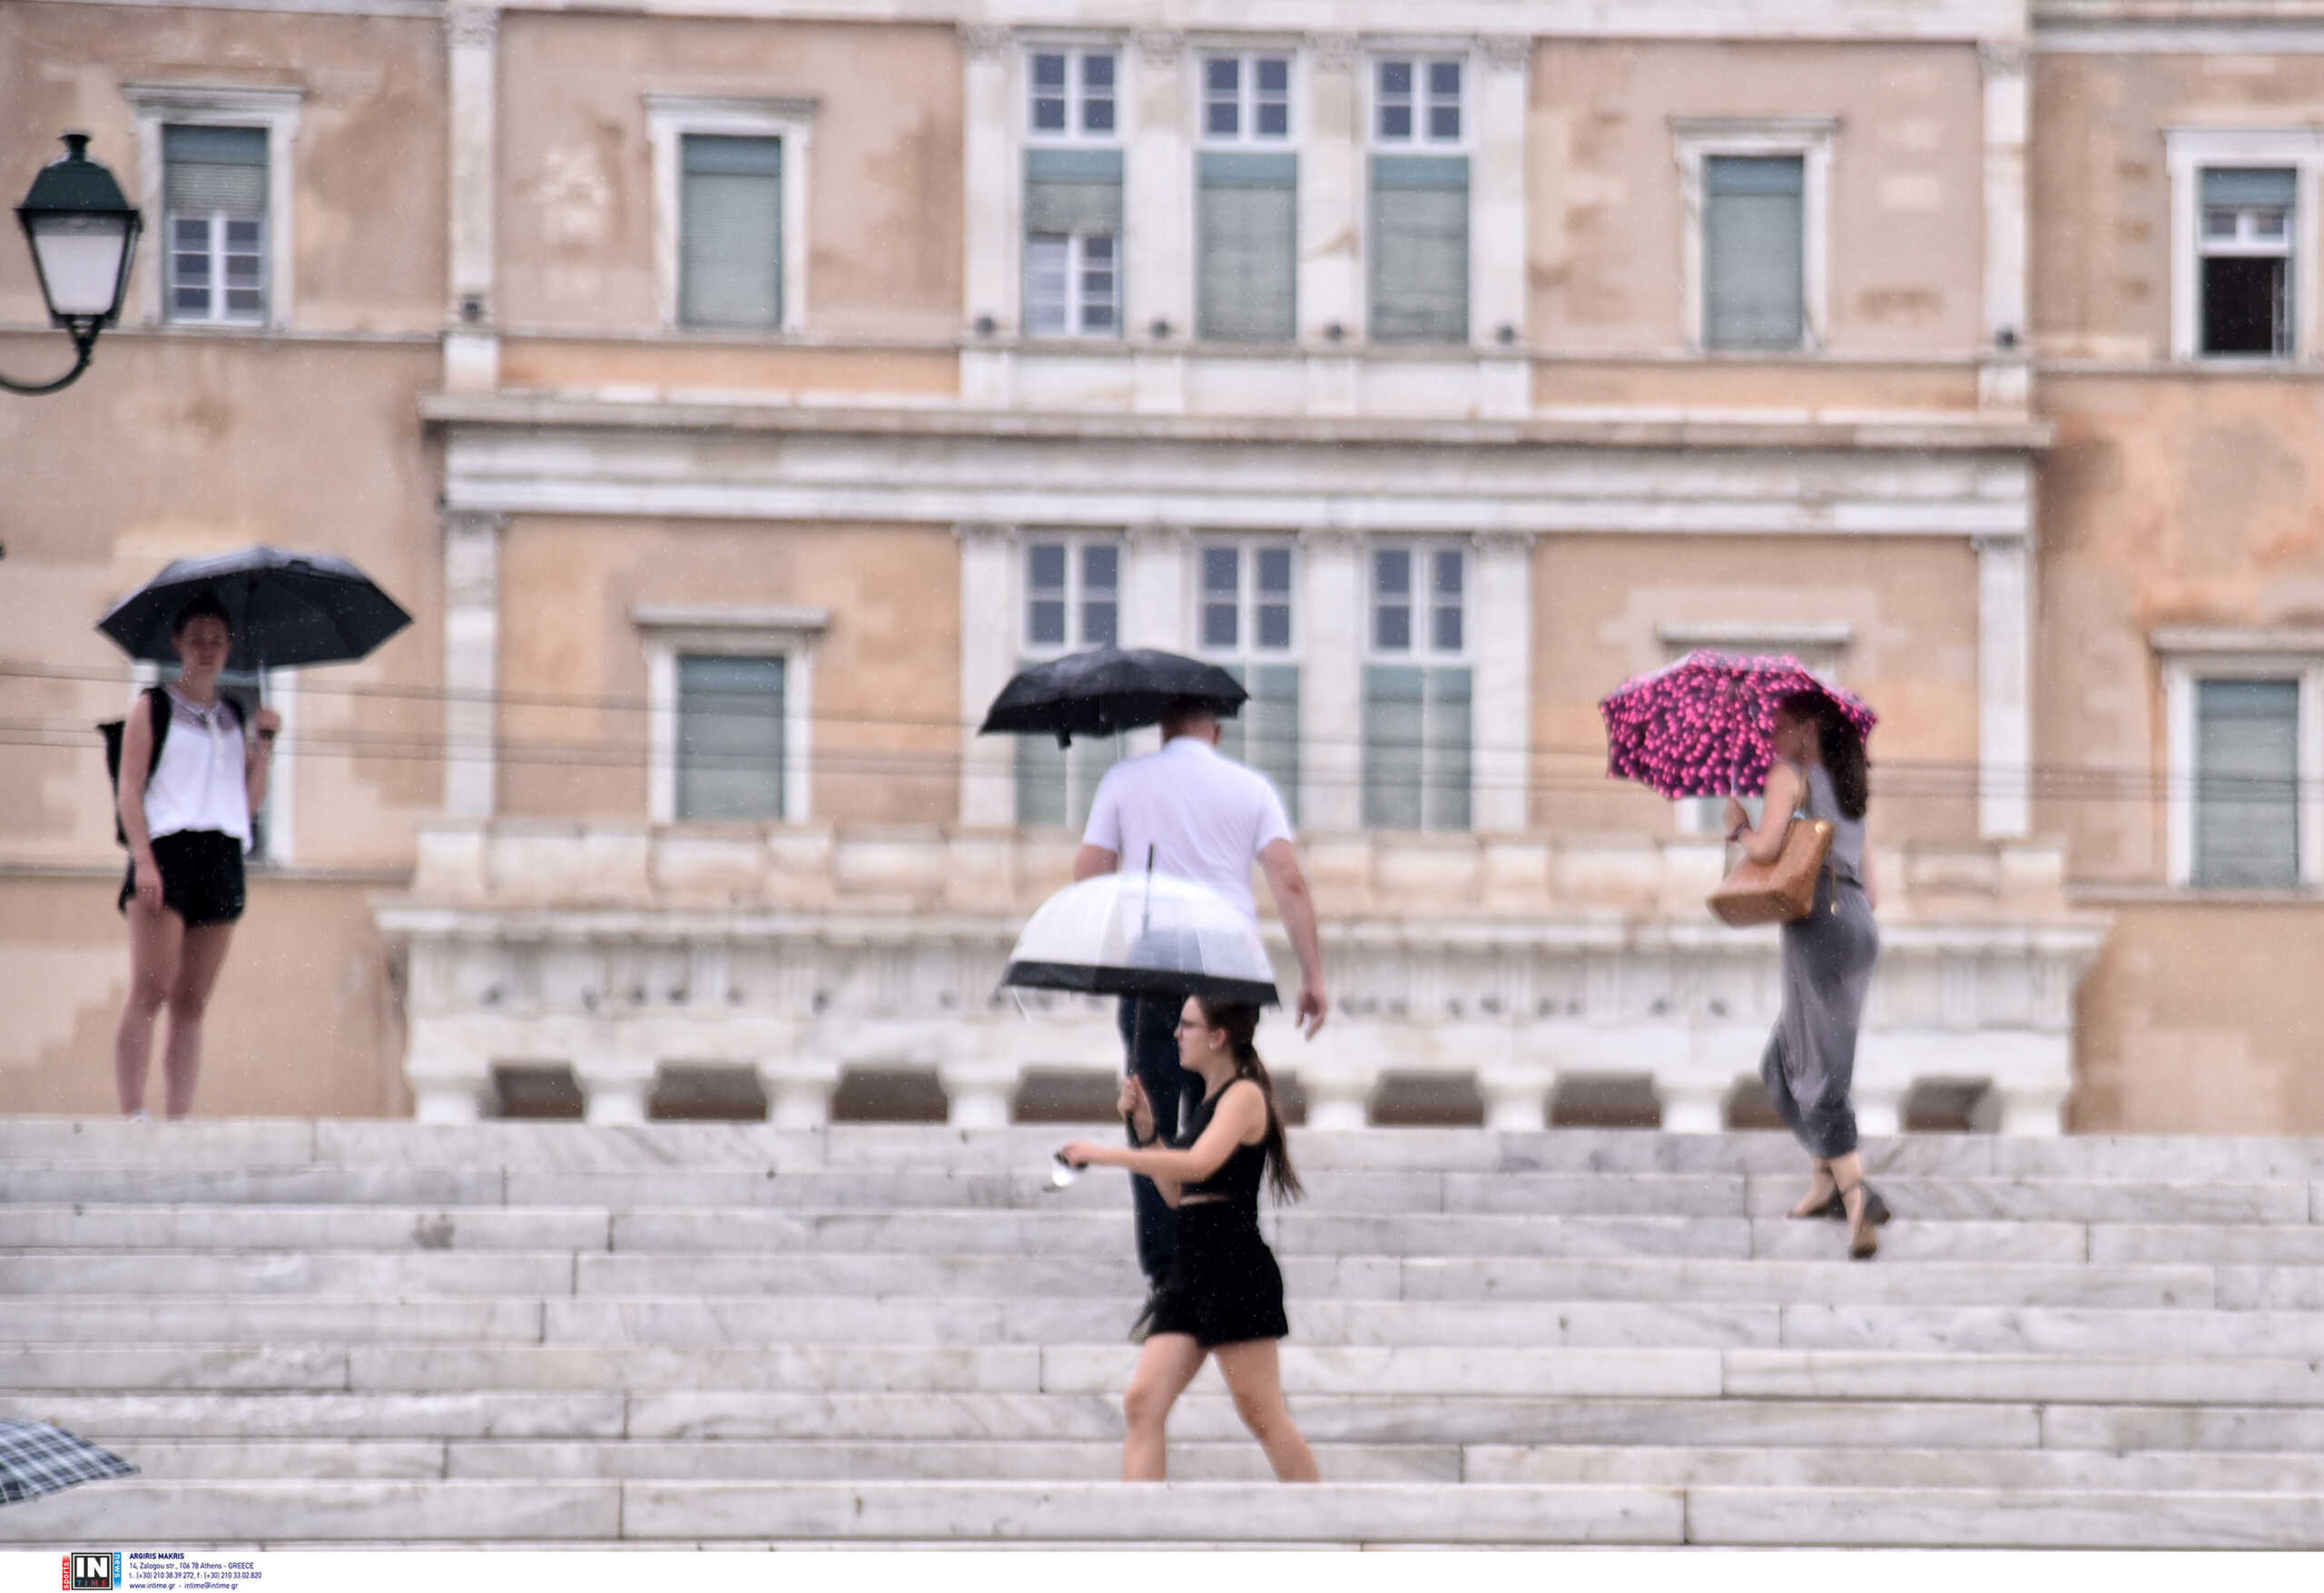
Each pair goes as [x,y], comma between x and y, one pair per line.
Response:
[385,1332]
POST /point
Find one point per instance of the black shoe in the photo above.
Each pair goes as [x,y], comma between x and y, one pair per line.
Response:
[1876,1210]
[1144,1326]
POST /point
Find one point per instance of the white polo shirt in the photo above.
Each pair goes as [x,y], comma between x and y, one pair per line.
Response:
[1206,817]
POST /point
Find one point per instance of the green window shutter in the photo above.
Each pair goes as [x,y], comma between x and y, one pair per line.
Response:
[2247,188]
[730,246]
[1246,211]
[208,169]
[1754,251]
[1073,190]
[1420,249]
[1265,733]
[730,738]
[1449,728]
[2247,791]
[1393,760]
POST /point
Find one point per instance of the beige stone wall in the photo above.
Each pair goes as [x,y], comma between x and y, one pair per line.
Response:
[370,151]
[576,224]
[1911,604]
[2100,191]
[1906,261]
[1734,382]
[307,1020]
[886,674]
[2201,1018]
[858,374]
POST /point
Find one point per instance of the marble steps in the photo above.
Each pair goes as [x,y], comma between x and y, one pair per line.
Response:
[138,1512]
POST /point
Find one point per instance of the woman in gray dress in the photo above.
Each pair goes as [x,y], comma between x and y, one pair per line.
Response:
[1828,957]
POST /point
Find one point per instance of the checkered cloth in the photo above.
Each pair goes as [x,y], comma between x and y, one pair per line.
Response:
[37,1459]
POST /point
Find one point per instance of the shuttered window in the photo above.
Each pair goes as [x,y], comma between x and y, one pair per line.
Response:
[1420,249]
[730,248]
[1248,237]
[1418,690]
[1754,249]
[1244,623]
[1072,601]
[214,189]
[731,735]
[1073,223]
[2246,261]
[2246,791]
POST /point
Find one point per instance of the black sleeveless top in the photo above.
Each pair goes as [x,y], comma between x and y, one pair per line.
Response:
[1239,1175]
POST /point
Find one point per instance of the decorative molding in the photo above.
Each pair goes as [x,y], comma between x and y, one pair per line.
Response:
[788,117]
[1161,47]
[274,108]
[1508,52]
[472,27]
[1730,632]
[984,534]
[2004,57]
[1516,543]
[757,618]
[1334,52]
[980,41]
[1157,533]
[2280,640]
[1695,139]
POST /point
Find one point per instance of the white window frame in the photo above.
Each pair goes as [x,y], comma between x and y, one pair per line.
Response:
[2191,656]
[279,690]
[1076,263]
[1695,140]
[671,631]
[788,119]
[157,105]
[1423,654]
[1421,56]
[1698,815]
[1248,652]
[1073,49]
[1246,135]
[1074,539]
[2188,151]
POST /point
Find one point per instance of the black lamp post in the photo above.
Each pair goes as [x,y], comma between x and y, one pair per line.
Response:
[84,236]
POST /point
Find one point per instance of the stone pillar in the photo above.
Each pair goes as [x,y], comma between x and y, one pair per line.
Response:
[2031,1111]
[1517,1095]
[994,193]
[2005,678]
[1330,288]
[2002,377]
[981,1092]
[1158,195]
[1155,588]
[471,339]
[1331,681]
[1339,1095]
[1879,1107]
[1497,191]
[988,622]
[614,1084]
[1502,645]
[471,662]
[1693,1106]
[799,1091]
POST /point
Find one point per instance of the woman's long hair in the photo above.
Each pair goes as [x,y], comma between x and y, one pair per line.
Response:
[1841,748]
[1240,1019]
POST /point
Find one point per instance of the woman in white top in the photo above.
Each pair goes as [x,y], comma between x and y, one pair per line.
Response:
[186,817]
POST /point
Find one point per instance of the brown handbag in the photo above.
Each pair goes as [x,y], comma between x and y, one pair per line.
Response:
[1782,892]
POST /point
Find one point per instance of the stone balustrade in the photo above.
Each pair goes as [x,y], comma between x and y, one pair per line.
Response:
[799,953]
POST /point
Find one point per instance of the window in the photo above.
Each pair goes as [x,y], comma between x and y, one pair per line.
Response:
[1072,601]
[1247,203]
[1754,251]
[2245,247]
[214,191]
[2247,782]
[1419,207]
[1072,94]
[1417,691]
[730,746]
[730,228]
[730,211]
[1244,623]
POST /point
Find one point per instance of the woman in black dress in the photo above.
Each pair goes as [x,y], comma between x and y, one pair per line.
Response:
[1223,1295]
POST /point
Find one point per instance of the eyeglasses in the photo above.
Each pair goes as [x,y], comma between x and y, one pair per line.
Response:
[1184,1026]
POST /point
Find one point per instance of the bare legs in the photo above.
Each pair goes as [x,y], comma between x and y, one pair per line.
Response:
[1820,1189]
[1253,1376]
[172,967]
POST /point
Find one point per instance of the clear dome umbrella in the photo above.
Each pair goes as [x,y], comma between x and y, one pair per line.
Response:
[1143,935]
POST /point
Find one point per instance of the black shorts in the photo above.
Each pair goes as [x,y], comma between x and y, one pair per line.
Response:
[201,877]
[1224,1286]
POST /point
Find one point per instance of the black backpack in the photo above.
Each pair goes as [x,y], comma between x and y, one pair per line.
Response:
[157,704]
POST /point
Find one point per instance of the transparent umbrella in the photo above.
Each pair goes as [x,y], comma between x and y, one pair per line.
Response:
[1143,935]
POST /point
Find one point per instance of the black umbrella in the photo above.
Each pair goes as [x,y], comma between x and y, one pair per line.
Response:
[1105,691]
[286,609]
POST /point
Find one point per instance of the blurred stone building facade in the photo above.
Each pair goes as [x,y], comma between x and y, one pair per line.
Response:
[738,390]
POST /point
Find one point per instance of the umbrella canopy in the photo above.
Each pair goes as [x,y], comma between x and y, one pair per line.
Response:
[1705,726]
[1104,691]
[1143,935]
[288,609]
[37,1459]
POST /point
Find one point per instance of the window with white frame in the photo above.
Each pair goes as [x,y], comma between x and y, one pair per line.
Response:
[1247,202]
[1418,258]
[1418,689]
[216,169]
[2246,724]
[2245,249]
[730,211]
[1072,594]
[1757,198]
[1073,194]
[1821,649]
[1244,623]
[1073,93]
[729,692]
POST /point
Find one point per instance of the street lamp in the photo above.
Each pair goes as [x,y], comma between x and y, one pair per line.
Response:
[84,236]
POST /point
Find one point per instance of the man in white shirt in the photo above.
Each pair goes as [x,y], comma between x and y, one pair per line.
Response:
[1206,818]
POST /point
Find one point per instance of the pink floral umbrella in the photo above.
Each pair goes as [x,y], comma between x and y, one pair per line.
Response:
[1705,726]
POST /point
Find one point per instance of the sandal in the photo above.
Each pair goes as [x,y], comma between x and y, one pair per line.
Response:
[1863,1242]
